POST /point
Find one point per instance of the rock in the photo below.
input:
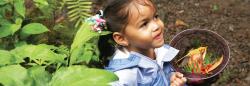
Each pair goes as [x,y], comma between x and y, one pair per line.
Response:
[248,77]
[231,28]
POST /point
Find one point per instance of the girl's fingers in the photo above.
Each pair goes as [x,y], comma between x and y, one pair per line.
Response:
[177,82]
[180,81]
[184,79]
[172,78]
[177,79]
[178,74]
[174,83]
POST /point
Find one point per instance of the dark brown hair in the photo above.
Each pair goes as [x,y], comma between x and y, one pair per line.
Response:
[117,13]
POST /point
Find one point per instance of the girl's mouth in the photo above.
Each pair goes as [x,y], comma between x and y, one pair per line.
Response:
[158,36]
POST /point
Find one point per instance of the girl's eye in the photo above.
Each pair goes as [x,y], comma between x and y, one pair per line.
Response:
[156,16]
[144,24]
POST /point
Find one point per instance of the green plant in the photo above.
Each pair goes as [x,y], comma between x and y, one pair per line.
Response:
[78,10]
[25,61]
[79,75]
[84,47]
[13,26]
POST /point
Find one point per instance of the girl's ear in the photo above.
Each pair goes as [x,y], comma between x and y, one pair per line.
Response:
[120,39]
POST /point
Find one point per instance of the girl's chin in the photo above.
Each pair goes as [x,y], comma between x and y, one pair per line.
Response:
[159,44]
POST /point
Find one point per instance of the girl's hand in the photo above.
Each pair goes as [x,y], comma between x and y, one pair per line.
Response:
[177,79]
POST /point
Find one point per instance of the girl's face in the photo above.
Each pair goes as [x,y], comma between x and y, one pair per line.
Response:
[144,29]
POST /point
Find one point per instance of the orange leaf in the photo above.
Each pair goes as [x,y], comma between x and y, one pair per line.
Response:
[216,64]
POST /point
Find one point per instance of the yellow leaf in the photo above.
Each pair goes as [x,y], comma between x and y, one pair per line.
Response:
[200,50]
[179,22]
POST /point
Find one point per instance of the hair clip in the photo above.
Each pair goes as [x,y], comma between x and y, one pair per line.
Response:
[97,22]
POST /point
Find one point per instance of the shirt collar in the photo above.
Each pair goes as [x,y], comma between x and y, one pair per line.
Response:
[125,59]
[165,53]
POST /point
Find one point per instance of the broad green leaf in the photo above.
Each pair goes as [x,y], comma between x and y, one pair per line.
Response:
[17,26]
[34,28]
[44,7]
[4,27]
[82,76]
[5,30]
[7,58]
[88,52]
[19,7]
[84,54]
[23,51]
[91,51]
[14,28]
[13,75]
[41,2]
[39,76]
[63,49]
[6,8]
[2,2]
[20,43]
[84,34]
[76,55]
[40,54]
[18,21]
[4,21]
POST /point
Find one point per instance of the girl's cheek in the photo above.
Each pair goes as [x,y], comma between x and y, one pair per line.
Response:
[161,24]
[146,34]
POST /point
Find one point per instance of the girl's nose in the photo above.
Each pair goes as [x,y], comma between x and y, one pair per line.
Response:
[155,26]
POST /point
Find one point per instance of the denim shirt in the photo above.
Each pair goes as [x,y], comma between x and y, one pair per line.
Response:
[134,69]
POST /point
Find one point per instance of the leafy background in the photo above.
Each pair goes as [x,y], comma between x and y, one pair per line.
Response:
[47,43]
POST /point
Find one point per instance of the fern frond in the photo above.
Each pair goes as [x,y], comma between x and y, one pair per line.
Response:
[78,10]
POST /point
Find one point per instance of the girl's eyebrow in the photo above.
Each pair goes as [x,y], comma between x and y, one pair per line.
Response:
[144,19]
[147,18]
[141,21]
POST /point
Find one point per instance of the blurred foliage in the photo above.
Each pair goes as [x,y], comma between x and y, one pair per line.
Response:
[36,44]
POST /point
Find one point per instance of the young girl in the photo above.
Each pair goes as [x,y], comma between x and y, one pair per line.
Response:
[142,58]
